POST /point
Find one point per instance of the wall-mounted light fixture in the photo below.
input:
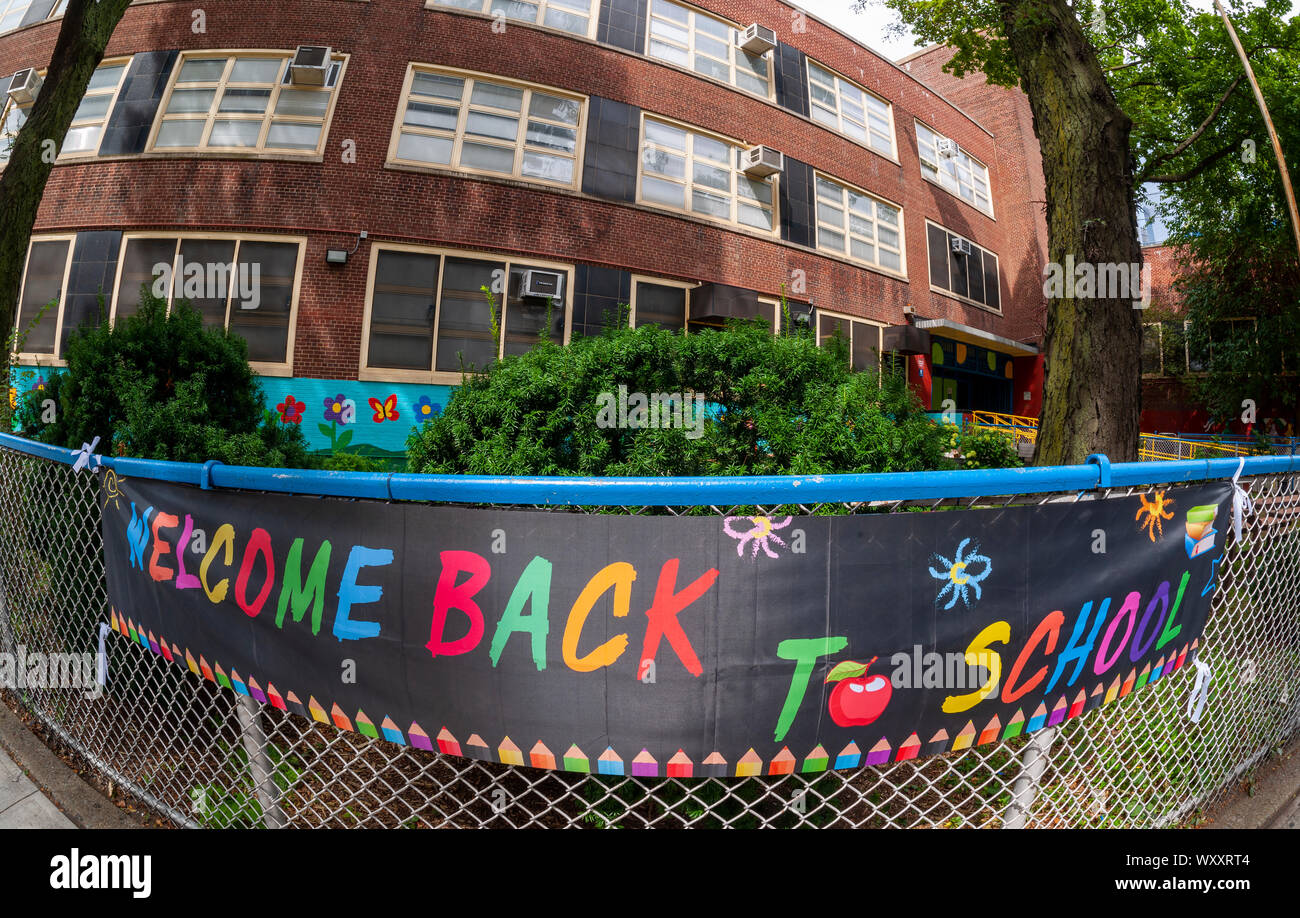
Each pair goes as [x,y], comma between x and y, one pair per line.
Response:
[340,256]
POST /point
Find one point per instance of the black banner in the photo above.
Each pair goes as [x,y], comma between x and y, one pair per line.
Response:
[661,645]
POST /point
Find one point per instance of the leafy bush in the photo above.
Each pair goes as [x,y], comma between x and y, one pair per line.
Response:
[981,448]
[773,405]
[162,386]
[352,462]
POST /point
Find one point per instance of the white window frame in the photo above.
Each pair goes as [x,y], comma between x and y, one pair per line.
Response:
[840,117]
[852,320]
[688,286]
[259,367]
[647,148]
[268,115]
[8,6]
[690,50]
[465,106]
[485,7]
[102,122]
[952,294]
[433,375]
[845,226]
[56,358]
[965,173]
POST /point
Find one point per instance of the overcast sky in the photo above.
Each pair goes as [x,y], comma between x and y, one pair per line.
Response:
[870,27]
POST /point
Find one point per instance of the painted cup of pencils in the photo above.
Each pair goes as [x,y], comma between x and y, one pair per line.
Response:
[1200,529]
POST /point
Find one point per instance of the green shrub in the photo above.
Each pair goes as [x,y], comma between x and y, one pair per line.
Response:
[159,385]
[981,448]
[775,405]
[352,462]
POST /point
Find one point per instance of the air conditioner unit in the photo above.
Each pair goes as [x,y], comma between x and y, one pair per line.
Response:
[946,148]
[961,246]
[543,284]
[757,39]
[760,162]
[909,310]
[310,65]
[24,86]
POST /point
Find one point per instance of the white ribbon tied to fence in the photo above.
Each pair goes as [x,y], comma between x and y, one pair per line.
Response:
[1200,691]
[101,659]
[1241,502]
[86,456]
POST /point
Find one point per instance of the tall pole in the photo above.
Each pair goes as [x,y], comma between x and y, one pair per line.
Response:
[1268,123]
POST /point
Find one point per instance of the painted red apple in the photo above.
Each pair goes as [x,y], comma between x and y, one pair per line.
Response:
[858,698]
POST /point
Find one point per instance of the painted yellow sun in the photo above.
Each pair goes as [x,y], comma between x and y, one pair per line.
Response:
[1156,510]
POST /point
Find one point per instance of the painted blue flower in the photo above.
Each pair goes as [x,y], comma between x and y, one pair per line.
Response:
[957,573]
[426,409]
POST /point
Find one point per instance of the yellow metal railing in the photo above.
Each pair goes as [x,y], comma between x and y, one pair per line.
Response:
[1152,447]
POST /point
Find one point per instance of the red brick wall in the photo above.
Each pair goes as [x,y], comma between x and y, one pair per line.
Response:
[1165,268]
[332,201]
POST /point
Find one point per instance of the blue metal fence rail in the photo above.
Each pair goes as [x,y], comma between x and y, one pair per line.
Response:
[764,490]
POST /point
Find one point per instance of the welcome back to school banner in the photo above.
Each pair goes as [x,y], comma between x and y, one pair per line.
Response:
[666,645]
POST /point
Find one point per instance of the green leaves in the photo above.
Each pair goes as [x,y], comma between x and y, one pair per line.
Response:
[848,669]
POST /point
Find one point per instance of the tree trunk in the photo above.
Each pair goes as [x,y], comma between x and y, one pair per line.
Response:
[1093,374]
[87,26]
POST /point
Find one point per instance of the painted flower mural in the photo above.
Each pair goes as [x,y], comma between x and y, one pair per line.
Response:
[960,576]
[759,534]
[334,408]
[291,410]
[426,409]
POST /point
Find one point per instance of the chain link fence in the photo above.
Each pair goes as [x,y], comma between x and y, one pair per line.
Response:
[198,755]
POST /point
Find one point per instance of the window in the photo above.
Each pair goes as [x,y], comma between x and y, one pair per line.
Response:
[971,277]
[88,122]
[576,16]
[660,302]
[960,174]
[863,338]
[246,285]
[13,11]
[689,38]
[429,318]
[40,304]
[700,174]
[11,122]
[849,109]
[490,126]
[853,223]
[1236,339]
[244,103]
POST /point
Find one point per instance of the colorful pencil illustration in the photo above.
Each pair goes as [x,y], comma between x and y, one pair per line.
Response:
[965,736]
[782,763]
[1059,710]
[317,710]
[1158,670]
[193,667]
[448,744]
[1096,697]
[222,679]
[877,755]
[1144,677]
[238,682]
[1192,651]
[680,765]
[419,739]
[938,743]
[1038,720]
[576,760]
[340,719]
[911,747]
[477,748]
[273,696]
[295,703]
[750,764]
[1015,726]
[153,644]
[645,765]
[509,753]
[817,760]
[365,726]
[391,731]
[609,763]
[990,732]
[256,690]
[1128,683]
[715,766]
[541,757]
[1080,702]
[166,651]
[1113,692]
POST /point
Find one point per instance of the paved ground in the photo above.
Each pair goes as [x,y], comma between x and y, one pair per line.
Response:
[22,805]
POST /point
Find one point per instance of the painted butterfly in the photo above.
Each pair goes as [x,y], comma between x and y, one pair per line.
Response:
[385,410]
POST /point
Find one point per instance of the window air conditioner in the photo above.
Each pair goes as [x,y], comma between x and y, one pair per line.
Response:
[24,86]
[946,148]
[543,284]
[310,65]
[757,39]
[760,162]
[961,246]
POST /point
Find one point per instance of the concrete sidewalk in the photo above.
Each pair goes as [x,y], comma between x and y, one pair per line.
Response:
[22,805]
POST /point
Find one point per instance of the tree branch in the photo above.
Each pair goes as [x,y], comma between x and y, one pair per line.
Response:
[1195,135]
[1196,170]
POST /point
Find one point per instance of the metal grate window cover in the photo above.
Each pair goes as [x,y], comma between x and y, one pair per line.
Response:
[201,756]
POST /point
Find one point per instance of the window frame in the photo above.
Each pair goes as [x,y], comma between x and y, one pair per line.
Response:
[259,151]
[951,293]
[471,76]
[688,182]
[259,367]
[847,188]
[126,61]
[734,49]
[971,162]
[54,359]
[593,17]
[688,286]
[892,155]
[845,317]
[434,376]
